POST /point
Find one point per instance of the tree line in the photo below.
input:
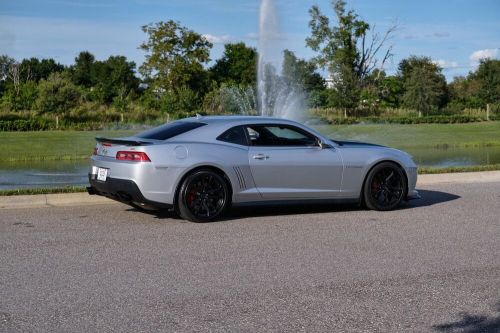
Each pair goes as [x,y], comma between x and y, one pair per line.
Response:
[177,76]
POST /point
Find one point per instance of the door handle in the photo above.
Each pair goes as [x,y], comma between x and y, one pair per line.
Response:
[261,157]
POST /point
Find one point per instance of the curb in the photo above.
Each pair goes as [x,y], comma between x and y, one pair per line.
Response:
[52,200]
[459,177]
[82,199]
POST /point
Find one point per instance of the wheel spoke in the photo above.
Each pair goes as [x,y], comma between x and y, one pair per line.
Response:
[387,187]
[205,196]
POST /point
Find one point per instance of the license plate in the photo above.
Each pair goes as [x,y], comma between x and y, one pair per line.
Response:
[102,174]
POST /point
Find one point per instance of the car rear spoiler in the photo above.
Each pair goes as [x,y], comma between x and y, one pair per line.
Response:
[123,142]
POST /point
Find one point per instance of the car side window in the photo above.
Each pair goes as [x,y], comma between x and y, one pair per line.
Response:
[234,135]
[279,135]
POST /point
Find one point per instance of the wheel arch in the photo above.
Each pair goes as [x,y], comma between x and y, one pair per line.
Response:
[212,167]
[373,165]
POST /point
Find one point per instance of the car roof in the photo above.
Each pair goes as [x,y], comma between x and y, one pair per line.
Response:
[234,120]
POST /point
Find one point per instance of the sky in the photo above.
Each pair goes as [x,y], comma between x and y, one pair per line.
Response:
[456,34]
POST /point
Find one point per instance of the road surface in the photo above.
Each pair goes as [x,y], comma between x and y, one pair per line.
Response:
[431,266]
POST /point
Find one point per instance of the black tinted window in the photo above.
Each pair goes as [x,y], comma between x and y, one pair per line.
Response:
[279,135]
[234,135]
[169,130]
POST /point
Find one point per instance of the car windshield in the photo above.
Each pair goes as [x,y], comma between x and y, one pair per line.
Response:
[167,131]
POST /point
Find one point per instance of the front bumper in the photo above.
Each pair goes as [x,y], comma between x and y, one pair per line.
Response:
[122,190]
[412,195]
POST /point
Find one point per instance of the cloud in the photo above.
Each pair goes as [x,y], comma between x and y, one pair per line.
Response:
[267,36]
[439,34]
[444,64]
[478,55]
[252,35]
[218,39]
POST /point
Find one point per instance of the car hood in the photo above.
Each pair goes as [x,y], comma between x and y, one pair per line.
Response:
[356,144]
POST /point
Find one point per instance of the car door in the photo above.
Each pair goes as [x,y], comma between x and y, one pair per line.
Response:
[287,163]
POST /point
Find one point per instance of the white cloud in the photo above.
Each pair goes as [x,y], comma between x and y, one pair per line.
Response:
[218,39]
[483,54]
[445,64]
[252,35]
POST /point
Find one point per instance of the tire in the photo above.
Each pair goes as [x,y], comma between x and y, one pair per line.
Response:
[385,187]
[204,196]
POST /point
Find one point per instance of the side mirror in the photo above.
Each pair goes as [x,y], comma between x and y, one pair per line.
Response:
[322,145]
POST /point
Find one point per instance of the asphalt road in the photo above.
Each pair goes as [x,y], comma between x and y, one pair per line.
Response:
[432,266]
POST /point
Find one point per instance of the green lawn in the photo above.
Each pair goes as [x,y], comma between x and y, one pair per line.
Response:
[421,135]
[19,146]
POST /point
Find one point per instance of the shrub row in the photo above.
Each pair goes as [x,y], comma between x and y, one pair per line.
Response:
[45,125]
[408,120]
[26,125]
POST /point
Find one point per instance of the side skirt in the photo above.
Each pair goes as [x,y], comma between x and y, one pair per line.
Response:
[296,201]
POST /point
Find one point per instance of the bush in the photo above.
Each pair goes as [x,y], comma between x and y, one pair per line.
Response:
[26,125]
[57,94]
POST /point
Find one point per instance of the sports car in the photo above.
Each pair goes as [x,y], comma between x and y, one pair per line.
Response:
[201,166]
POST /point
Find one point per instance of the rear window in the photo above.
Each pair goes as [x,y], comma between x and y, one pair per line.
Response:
[234,135]
[169,130]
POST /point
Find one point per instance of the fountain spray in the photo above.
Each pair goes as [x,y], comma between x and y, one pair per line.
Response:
[276,96]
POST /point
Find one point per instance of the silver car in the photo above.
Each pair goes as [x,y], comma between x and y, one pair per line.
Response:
[201,166]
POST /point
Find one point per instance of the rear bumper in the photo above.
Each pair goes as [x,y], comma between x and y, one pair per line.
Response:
[122,190]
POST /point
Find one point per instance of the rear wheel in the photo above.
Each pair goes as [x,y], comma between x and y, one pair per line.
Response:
[385,187]
[203,197]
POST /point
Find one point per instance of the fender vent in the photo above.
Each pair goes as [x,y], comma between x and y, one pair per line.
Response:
[241,178]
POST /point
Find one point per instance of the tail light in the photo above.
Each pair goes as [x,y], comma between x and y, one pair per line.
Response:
[136,156]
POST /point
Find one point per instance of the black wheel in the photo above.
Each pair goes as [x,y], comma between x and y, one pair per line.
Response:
[385,187]
[203,197]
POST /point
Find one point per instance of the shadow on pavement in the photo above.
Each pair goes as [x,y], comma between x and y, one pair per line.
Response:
[429,198]
[472,323]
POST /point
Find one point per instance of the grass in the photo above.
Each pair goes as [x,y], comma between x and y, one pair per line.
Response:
[73,145]
[422,135]
[472,168]
[51,145]
[34,191]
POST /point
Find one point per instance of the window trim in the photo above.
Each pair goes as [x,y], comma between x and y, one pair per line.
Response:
[295,128]
[241,127]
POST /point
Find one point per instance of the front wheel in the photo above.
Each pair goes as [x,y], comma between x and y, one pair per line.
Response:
[203,197]
[385,187]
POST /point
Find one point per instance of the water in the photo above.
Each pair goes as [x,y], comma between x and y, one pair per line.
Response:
[40,174]
[276,96]
[455,157]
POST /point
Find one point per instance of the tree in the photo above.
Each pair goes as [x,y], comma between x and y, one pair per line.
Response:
[488,77]
[113,78]
[424,84]
[301,72]
[346,50]
[174,57]
[81,72]
[238,65]
[57,94]
[390,91]
[34,69]
[464,93]
[420,93]
[5,63]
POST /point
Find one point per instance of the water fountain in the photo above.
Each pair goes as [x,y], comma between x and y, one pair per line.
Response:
[276,96]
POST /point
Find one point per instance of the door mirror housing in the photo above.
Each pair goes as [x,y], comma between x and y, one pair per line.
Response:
[322,145]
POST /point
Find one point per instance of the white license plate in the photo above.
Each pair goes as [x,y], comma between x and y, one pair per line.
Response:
[102,174]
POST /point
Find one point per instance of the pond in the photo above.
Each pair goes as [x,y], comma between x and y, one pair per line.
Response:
[37,174]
